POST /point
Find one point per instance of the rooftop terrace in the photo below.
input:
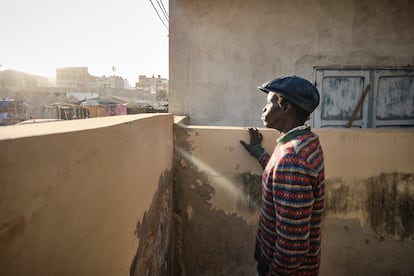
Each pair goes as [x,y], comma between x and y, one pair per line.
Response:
[150,195]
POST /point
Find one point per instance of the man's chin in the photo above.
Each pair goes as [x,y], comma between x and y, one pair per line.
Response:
[267,125]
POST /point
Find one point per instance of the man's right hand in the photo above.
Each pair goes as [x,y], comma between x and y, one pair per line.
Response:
[255,139]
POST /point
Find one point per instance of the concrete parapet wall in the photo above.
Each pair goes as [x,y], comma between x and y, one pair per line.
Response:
[104,196]
[86,197]
[368,227]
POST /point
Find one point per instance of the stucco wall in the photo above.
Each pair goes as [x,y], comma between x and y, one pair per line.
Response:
[220,51]
[94,197]
[368,227]
[85,197]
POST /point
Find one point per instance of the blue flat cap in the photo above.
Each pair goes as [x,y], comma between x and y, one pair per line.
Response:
[294,89]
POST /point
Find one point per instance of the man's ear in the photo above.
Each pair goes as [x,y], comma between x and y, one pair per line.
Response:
[286,107]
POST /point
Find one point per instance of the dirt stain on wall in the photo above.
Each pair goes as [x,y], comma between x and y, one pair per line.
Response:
[386,202]
[390,205]
[154,253]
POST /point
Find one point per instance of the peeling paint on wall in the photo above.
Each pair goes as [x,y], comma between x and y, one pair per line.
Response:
[384,203]
[251,187]
[154,253]
[207,240]
[395,98]
[339,105]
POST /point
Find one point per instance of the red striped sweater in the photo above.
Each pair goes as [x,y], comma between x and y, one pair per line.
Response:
[289,235]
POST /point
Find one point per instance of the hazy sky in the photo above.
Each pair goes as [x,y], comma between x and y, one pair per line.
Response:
[39,36]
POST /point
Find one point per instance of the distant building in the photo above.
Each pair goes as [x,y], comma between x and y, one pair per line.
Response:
[82,95]
[74,77]
[152,85]
[110,82]
[127,86]
[13,78]
[79,77]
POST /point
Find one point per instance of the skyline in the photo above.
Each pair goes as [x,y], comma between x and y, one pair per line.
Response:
[126,34]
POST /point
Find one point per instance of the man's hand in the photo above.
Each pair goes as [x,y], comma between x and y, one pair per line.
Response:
[255,139]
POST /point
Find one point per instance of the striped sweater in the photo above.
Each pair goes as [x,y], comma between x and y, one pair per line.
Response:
[289,235]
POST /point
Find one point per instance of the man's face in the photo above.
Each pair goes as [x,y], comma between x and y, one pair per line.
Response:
[271,113]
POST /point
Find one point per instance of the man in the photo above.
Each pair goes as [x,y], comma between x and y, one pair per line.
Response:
[289,235]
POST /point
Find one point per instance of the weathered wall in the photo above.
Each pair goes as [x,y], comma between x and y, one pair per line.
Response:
[220,51]
[368,227]
[84,197]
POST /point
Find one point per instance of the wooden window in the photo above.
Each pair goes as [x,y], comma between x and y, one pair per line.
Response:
[389,101]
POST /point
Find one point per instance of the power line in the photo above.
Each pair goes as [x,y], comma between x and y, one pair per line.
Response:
[162,21]
[161,5]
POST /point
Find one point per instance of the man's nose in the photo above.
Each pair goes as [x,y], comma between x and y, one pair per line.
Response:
[264,109]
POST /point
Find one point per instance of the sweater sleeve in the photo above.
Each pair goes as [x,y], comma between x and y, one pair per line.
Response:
[293,200]
[259,153]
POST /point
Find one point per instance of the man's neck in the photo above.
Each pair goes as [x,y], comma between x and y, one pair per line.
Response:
[289,126]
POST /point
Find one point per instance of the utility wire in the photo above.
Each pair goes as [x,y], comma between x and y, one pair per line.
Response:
[162,21]
[161,5]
